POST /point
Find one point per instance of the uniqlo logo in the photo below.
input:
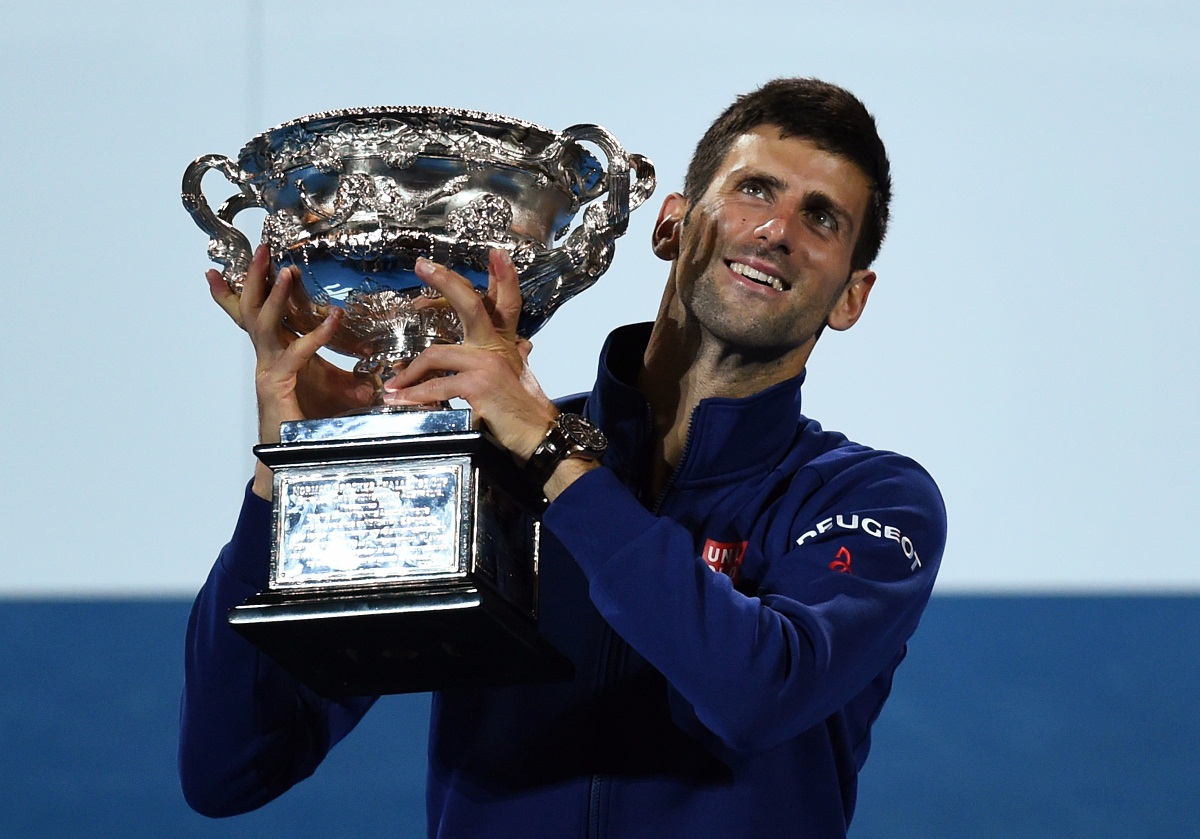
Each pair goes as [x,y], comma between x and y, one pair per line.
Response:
[724,557]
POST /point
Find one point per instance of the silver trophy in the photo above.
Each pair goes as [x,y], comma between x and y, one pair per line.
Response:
[405,545]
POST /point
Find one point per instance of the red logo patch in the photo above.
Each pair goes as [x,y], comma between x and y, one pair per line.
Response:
[842,562]
[724,557]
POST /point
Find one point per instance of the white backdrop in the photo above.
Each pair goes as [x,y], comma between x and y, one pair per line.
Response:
[1031,338]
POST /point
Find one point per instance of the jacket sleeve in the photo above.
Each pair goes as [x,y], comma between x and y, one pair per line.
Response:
[248,730]
[844,575]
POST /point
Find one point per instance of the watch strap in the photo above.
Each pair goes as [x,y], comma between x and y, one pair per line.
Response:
[570,436]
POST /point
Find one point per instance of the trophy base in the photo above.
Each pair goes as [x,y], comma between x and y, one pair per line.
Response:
[404,558]
[395,641]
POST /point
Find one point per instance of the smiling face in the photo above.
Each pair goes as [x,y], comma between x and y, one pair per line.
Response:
[762,259]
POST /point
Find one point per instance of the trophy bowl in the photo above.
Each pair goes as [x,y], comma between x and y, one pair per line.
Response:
[353,197]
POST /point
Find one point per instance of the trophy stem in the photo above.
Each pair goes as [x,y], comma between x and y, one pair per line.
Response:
[381,368]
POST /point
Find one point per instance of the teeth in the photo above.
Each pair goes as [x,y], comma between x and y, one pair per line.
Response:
[750,273]
[756,275]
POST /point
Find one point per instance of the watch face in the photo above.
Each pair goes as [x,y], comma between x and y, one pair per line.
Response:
[583,433]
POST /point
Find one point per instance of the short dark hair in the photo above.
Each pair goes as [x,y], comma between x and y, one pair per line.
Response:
[829,116]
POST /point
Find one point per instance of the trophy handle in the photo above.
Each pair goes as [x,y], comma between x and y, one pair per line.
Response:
[588,250]
[610,219]
[227,245]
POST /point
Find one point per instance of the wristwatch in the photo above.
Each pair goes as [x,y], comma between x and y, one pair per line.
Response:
[570,436]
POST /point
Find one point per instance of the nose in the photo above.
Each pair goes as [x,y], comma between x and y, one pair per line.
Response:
[776,233]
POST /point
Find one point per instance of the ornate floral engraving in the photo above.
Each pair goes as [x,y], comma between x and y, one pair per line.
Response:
[282,229]
[487,218]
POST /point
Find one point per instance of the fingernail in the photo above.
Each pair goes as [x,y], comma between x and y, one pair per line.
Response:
[424,267]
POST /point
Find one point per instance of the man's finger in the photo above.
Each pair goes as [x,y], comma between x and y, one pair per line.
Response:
[224,295]
[254,285]
[504,290]
[429,392]
[306,346]
[263,318]
[436,360]
[462,296]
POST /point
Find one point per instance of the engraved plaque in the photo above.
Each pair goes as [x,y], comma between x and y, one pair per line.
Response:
[363,525]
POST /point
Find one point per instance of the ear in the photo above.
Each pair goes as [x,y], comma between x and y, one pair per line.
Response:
[667,229]
[850,305]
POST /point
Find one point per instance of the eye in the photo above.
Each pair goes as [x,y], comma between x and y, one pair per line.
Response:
[755,188]
[823,218]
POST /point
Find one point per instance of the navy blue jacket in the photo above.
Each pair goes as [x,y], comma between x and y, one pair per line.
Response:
[733,641]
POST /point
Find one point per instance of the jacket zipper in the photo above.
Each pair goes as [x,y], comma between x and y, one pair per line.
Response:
[670,484]
[614,644]
[614,651]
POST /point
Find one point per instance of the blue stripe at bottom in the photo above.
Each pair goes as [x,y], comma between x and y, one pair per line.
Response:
[1012,717]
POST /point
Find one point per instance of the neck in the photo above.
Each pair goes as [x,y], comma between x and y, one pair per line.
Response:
[684,364]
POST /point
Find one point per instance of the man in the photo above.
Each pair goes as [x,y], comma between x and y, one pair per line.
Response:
[734,584]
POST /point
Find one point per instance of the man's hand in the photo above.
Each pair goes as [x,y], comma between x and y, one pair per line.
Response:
[291,381]
[489,369]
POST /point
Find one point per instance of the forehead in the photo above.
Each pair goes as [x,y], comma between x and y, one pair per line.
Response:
[798,163]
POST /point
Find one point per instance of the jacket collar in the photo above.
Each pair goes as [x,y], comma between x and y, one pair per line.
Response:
[727,437]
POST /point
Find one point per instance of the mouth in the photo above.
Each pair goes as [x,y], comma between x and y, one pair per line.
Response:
[757,276]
